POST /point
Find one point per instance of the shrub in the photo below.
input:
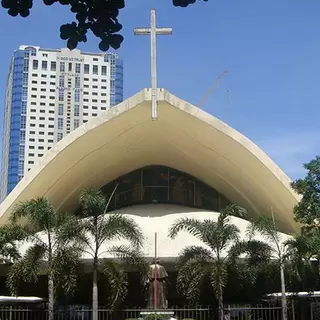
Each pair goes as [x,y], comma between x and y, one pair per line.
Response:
[153,316]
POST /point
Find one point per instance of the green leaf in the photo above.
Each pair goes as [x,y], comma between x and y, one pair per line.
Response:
[192,226]
[267,227]
[196,264]
[65,264]
[133,257]
[194,253]
[9,235]
[58,244]
[120,227]
[307,210]
[68,229]
[39,212]
[117,280]
[93,202]
[255,252]
[27,268]
[235,210]
[191,277]
[218,277]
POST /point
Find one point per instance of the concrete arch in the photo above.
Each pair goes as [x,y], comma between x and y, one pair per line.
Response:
[184,137]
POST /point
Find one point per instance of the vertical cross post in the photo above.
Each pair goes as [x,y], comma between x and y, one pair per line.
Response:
[153,31]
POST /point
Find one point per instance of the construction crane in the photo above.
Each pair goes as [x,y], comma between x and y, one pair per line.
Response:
[206,96]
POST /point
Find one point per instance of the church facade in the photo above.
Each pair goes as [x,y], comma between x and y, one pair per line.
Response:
[187,162]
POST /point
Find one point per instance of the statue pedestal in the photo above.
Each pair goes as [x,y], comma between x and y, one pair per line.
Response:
[166,315]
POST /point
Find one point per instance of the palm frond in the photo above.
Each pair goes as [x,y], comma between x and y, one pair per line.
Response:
[14,232]
[132,257]
[190,225]
[39,211]
[191,278]
[118,281]
[218,277]
[27,268]
[69,229]
[117,226]
[9,235]
[194,253]
[234,210]
[93,202]
[227,234]
[266,227]
[87,229]
[219,235]
[65,263]
[256,252]
[15,277]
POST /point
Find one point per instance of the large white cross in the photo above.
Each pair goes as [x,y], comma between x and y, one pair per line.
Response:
[153,31]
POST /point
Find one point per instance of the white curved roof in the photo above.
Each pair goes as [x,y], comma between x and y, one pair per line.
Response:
[159,218]
[184,137]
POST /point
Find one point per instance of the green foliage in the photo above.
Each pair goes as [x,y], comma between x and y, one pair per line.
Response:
[102,229]
[257,253]
[56,244]
[9,235]
[235,211]
[191,277]
[198,265]
[153,316]
[27,268]
[307,210]
[118,281]
[100,17]
[300,251]
[304,246]
[65,264]
[106,227]
[267,227]
[215,234]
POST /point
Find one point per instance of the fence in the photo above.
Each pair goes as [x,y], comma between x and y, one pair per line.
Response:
[259,312]
[253,313]
[106,314]
[315,311]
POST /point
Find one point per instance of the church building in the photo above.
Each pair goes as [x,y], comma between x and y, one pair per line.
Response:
[184,163]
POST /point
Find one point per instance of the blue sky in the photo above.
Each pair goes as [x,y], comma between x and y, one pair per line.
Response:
[270,48]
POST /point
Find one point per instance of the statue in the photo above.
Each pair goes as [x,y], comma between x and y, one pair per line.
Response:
[156,287]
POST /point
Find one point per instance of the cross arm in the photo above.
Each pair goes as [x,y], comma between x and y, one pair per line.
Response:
[158,31]
[142,31]
[163,31]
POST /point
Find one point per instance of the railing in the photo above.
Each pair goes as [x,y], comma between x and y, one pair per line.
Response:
[230,313]
[177,313]
[252,313]
[106,314]
[315,311]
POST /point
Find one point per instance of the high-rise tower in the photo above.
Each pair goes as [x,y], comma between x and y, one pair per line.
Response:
[49,94]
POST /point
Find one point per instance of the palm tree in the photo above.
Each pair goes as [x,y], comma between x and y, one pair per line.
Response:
[102,229]
[196,264]
[56,244]
[267,227]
